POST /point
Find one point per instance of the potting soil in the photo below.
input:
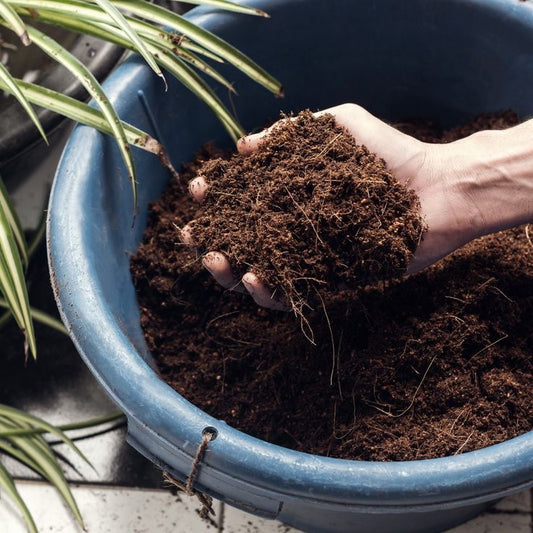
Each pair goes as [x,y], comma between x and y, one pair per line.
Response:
[432,365]
[308,212]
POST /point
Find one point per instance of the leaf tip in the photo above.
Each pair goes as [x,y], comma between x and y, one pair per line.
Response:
[162,76]
[25,38]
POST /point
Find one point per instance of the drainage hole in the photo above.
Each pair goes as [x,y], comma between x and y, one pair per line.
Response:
[211,431]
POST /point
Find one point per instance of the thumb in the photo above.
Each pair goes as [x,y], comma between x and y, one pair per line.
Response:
[403,154]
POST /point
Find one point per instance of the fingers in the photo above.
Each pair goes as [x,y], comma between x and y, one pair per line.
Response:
[219,267]
[217,263]
[247,145]
[260,293]
[186,235]
[198,188]
[403,154]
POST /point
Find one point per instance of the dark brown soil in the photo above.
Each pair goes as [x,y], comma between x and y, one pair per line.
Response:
[307,212]
[434,365]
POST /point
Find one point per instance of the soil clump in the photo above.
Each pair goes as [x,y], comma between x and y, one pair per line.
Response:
[432,365]
[308,212]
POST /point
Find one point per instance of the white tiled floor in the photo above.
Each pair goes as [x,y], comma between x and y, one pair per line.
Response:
[116,510]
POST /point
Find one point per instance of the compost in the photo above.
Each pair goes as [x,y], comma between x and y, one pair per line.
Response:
[427,366]
[308,212]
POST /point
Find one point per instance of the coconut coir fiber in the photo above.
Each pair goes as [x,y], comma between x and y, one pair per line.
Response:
[309,211]
[433,365]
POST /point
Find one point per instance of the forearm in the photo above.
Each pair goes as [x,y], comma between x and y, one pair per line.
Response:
[497,176]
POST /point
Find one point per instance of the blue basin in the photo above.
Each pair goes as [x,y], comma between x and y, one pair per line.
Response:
[448,59]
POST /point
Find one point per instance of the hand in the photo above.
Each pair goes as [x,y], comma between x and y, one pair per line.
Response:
[219,267]
[466,188]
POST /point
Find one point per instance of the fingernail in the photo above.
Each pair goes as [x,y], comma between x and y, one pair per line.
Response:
[249,284]
[186,236]
[198,188]
[209,259]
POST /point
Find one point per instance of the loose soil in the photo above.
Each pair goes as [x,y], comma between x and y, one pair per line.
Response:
[432,365]
[308,212]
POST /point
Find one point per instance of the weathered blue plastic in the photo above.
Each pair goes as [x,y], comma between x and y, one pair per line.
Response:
[448,59]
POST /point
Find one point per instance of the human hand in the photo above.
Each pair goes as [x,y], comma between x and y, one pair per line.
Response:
[459,186]
[219,266]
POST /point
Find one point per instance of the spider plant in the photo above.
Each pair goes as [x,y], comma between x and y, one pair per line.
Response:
[171,46]
[21,438]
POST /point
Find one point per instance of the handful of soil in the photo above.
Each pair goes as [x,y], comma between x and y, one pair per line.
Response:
[309,212]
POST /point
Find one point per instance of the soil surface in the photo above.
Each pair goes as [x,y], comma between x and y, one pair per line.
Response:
[432,365]
[309,211]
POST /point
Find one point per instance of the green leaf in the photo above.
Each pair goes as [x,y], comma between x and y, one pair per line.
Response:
[86,13]
[203,37]
[197,85]
[14,222]
[6,481]
[34,451]
[193,47]
[22,417]
[51,469]
[36,241]
[12,282]
[20,456]
[84,424]
[14,22]
[137,43]
[85,114]
[6,77]
[43,318]
[229,6]
[159,39]
[20,438]
[84,75]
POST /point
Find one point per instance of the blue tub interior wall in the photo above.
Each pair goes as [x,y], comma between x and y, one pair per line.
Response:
[449,59]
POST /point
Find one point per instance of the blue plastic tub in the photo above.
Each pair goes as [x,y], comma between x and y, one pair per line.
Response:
[448,59]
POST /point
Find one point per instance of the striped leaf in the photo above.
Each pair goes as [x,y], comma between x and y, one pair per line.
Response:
[87,79]
[41,317]
[160,40]
[39,452]
[20,438]
[22,417]
[7,483]
[90,116]
[197,85]
[137,43]
[64,427]
[14,22]
[203,37]
[14,222]
[8,80]
[12,282]
[228,6]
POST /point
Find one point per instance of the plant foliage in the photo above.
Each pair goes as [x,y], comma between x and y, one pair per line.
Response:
[166,40]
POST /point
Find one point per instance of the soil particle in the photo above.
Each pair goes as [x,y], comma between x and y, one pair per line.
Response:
[432,365]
